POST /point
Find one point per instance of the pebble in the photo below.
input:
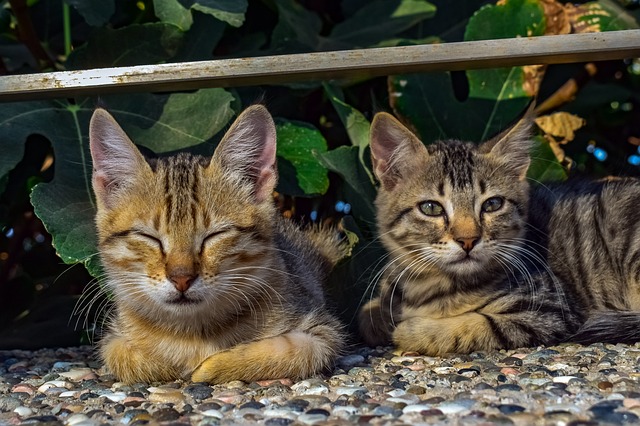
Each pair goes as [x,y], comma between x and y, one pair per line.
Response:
[198,391]
[310,419]
[165,395]
[310,387]
[23,411]
[350,390]
[349,361]
[562,385]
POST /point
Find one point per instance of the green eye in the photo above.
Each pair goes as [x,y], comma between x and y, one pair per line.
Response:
[492,204]
[432,208]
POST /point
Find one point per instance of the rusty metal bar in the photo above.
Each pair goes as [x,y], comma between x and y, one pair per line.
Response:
[324,65]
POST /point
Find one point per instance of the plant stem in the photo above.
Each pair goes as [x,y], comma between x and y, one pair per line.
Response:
[66,22]
[27,33]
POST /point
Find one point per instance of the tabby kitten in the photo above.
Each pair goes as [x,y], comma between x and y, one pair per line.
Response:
[478,260]
[208,281]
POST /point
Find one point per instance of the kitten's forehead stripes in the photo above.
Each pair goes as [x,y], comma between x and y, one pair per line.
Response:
[457,162]
[182,182]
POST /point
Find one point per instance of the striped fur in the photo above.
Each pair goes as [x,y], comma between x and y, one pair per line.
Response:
[549,264]
[209,282]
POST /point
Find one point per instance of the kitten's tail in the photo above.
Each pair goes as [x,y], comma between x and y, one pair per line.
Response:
[327,240]
[609,327]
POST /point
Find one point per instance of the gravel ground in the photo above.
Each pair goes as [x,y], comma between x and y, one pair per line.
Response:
[560,385]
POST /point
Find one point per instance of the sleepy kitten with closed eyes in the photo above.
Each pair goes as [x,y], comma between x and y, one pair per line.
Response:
[208,280]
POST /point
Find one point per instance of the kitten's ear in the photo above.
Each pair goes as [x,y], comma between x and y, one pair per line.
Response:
[249,148]
[116,160]
[394,149]
[513,145]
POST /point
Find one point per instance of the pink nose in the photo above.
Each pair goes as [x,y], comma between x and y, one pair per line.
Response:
[467,244]
[182,282]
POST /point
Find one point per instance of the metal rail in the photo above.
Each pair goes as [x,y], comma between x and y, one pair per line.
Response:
[324,65]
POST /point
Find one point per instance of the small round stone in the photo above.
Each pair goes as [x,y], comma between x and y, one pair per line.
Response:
[198,392]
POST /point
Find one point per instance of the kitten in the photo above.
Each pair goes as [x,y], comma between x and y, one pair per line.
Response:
[478,260]
[208,281]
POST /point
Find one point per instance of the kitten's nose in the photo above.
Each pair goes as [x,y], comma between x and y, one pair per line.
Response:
[468,244]
[182,281]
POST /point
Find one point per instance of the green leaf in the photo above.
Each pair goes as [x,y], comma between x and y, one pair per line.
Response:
[172,12]
[187,119]
[298,29]
[496,96]
[512,18]
[359,189]
[544,164]
[379,20]
[179,12]
[297,144]
[65,205]
[355,123]
[131,45]
[229,11]
[605,15]
[201,39]
[96,13]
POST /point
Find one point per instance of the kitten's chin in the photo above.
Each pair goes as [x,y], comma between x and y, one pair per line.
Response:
[467,265]
[183,300]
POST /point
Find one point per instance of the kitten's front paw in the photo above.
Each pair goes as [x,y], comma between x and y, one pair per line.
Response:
[211,370]
[423,336]
[441,336]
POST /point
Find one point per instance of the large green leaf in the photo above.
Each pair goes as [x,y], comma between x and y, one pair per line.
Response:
[379,20]
[496,96]
[186,119]
[96,13]
[355,123]
[605,15]
[131,45]
[178,12]
[201,39]
[65,205]
[229,11]
[172,12]
[359,189]
[544,164]
[298,29]
[297,143]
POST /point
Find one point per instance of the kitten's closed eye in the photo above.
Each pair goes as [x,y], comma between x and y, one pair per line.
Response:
[213,236]
[150,238]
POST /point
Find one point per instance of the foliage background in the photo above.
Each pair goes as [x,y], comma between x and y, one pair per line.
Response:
[46,205]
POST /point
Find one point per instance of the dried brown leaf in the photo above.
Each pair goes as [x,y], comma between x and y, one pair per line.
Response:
[560,125]
[532,78]
[557,18]
[590,25]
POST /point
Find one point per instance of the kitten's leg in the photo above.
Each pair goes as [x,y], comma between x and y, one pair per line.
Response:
[377,318]
[131,364]
[374,324]
[475,331]
[296,354]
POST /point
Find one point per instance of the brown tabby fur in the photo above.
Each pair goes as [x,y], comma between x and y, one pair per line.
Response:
[551,263]
[209,282]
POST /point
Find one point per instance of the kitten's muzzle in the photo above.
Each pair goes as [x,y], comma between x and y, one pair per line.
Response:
[468,243]
[181,280]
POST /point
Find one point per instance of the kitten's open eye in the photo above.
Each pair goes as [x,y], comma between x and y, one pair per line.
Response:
[492,204]
[431,208]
